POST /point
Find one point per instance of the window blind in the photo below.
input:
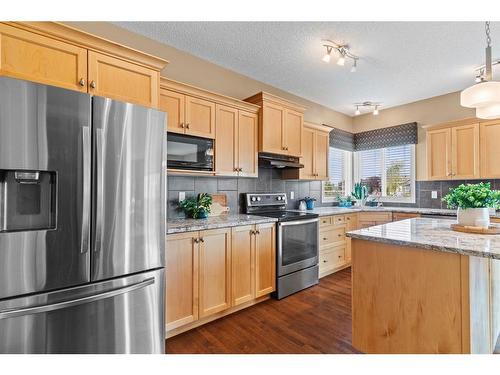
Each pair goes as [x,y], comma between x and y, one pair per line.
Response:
[336,169]
[398,169]
[370,169]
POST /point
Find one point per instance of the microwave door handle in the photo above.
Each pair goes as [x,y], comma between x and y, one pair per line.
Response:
[84,244]
[100,191]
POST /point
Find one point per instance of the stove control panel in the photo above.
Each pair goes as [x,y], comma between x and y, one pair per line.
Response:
[265,199]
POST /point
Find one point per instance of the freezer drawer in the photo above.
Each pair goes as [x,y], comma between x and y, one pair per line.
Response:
[123,315]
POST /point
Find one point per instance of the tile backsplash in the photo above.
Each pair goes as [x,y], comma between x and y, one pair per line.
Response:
[269,180]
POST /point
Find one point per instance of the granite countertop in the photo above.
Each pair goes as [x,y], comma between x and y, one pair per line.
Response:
[213,222]
[327,211]
[431,234]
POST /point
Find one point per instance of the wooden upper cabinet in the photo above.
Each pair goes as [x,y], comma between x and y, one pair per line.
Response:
[438,154]
[248,124]
[453,152]
[321,150]
[273,116]
[200,117]
[315,148]
[33,57]
[172,103]
[214,271]
[465,151]
[308,154]
[490,149]
[181,280]
[280,124]
[226,141]
[122,80]
[265,259]
[243,264]
[294,122]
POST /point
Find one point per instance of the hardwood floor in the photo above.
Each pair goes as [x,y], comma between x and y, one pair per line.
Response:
[315,320]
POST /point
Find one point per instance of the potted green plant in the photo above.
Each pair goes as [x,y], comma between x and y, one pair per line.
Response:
[473,202]
[360,192]
[197,208]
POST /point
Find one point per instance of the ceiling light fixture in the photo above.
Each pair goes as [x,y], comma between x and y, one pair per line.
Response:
[328,53]
[485,95]
[343,51]
[368,104]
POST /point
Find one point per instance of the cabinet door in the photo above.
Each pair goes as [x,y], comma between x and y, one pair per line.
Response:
[465,151]
[294,122]
[181,280]
[307,158]
[490,149]
[122,80]
[322,142]
[173,104]
[243,264]
[215,271]
[226,141]
[200,117]
[273,117]
[36,58]
[438,154]
[265,259]
[247,144]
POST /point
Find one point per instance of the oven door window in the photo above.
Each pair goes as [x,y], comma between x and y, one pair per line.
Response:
[298,243]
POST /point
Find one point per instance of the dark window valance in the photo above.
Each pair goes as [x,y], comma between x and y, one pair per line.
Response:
[387,137]
[342,139]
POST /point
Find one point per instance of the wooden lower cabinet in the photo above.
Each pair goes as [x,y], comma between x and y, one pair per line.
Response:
[181,280]
[335,247]
[396,216]
[216,272]
[265,259]
[368,219]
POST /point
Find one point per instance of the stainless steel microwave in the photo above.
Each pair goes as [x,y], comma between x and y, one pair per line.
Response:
[189,152]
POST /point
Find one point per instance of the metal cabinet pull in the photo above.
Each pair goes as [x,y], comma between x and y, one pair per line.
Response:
[324,238]
[257,232]
[187,125]
[93,84]
[181,125]
[196,240]
[81,82]
[202,239]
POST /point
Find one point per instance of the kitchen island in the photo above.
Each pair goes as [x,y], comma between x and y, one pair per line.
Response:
[419,287]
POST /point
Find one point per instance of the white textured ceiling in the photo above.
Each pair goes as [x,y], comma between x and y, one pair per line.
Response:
[401,62]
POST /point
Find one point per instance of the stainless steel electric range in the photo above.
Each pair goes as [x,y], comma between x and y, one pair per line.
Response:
[297,242]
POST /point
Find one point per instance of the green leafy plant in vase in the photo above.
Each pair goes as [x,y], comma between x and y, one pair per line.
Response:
[360,192]
[197,208]
[473,202]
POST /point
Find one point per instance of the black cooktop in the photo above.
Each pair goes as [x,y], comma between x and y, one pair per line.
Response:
[287,215]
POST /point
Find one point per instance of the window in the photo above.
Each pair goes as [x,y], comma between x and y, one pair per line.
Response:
[389,172]
[340,172]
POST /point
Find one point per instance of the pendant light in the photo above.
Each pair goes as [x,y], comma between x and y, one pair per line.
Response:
[485,95]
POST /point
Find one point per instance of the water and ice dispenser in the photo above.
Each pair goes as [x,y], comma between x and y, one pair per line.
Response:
[27,200]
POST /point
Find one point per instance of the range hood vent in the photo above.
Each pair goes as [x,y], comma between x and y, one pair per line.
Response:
[267,160]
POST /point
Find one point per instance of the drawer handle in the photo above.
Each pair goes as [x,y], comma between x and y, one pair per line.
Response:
[324,238]
[81,82]
[340,256]
[325,261]
[93,84]
[181,125]
[187,125]
[339,235]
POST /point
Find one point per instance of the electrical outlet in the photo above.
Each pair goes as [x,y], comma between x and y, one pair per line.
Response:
[434,194]
[182,196]
[292,195]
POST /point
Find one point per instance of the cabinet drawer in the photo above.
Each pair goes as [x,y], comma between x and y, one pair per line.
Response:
[351,222]
[403,215]
[329,237]
[325,221]
[338,219]
[366,224]
[375,216]
[331,258]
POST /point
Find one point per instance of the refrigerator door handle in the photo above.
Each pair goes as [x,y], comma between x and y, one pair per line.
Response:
[75,302]
[100,192]
[86,190]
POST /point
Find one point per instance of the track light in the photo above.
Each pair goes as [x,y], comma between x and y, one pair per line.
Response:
[328,53]
[367,104]
[354,66]
[344,53]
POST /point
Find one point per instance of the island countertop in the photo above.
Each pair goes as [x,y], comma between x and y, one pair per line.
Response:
[431,234]
[213,222]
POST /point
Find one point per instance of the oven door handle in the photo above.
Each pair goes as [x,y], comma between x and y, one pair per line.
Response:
[297,222]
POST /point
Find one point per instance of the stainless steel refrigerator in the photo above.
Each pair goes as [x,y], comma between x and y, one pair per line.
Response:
[82,222]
